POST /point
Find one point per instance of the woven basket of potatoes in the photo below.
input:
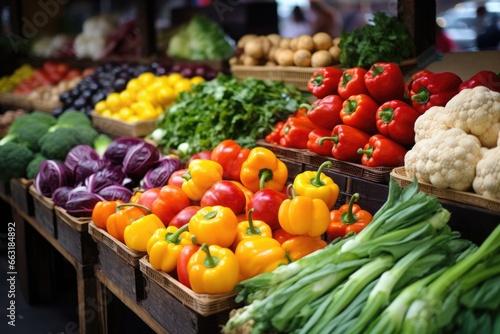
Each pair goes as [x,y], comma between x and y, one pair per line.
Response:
[318,50]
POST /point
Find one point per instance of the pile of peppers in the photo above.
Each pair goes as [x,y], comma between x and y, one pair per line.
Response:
[236,214]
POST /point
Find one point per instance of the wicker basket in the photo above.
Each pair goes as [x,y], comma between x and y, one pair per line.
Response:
[117,128]
[203,304]
[45,106]
[399,174]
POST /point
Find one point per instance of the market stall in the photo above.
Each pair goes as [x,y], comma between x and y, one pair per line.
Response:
[309,184]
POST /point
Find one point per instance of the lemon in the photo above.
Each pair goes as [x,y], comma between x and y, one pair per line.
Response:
[146,78]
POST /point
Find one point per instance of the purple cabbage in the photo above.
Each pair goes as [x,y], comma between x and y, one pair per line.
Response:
[81,203]
[80,153]
[52,175]
[116,192]
[97,181]
[158,176]
[113,172]
[118,148]
[85,168]
[139,159]
[60,195]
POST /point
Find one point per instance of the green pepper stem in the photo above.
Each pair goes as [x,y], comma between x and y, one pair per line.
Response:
[386,115]
[350,106]
[422,96]
[290,191]
[187,175]
[209,261]
[377,70]
[307,106]
[265,175]
[210,214]
[348,217]
[368,151]
[174,238]
[145,208]
[316,180]
[318,79]
[252,230]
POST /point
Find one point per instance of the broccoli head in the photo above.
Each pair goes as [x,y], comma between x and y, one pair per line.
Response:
[34,117]
[34,165]
[72,118]
[14,161]
[55,145]
[27,135]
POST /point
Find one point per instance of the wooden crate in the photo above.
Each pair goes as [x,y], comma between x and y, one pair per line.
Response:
[72,234]
[374,174]
[179,309]
[119,263]
[45,106]
[4,189]
[15,100]
[44,211]
[21,196]
[117,128]
[463,197]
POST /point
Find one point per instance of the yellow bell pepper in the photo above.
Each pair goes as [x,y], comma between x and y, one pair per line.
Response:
[257,254]
[316,184]
[214,225]
[213,270]
[250,227]
[138,233]
[304,215]
[301,245]
[200,176]
[262,169]
[165,246]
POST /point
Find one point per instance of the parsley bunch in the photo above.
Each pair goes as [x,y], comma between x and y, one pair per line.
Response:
[384,39]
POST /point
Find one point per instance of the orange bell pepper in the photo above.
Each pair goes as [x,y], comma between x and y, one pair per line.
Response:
[262,169]
[348,218]
[200,176]
[170,201]
[213,270]
[102,210]
[125,214]
[250,227]
[304,215]
[214,225]
[301,245]
[281,235]
[258,254]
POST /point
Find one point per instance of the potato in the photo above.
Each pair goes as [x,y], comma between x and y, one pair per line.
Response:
[285,43]
[335,53]
[274,39]
[270,63]
[322,41]
[285,57]
[266,45]
[336,41]
[302,58]
[271,53]
[321,58]
[234,61]
[250,61]
[305,42]
[254,48]
[244,39]
[293,44]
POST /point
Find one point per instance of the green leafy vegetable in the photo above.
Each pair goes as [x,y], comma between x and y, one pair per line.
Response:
[224,108]
[385,38]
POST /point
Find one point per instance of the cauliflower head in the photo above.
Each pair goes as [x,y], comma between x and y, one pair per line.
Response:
[487,180]
[434,119]
[476,111]
[447,159]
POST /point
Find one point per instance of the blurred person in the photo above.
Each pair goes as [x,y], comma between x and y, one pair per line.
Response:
[296,24]
[444,43]
[325,18]
[489,39]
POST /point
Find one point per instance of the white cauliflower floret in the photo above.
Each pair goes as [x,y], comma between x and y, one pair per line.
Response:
[487,180]
[434,119]
[447,159]
[476,111]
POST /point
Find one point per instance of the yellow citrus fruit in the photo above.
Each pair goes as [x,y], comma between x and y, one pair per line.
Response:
[100,107]
[182,85]
[143,95]
[146,78]
[113,102]
[165,95]
[126,98]
[125,113]
[197,79]
[106,112]
[174,78]
[133,86]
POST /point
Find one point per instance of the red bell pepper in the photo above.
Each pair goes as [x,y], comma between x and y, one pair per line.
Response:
[352,82]
[434,89]
[274,136]
[227,194]
[346,142]
[385,82]
[266,204]
[204,155]
[176,178]
[183,217]
[359,111]
[324,81]
[230,155]
[281,235]
[414,77]
[487,79]
[325,112]
[171,200]
[148,197]
[295,132]
[396,120]
[314,145]
[182,261]
[381,151]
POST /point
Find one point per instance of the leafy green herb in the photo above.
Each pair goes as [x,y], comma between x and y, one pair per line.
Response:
[225,108]
[385,38]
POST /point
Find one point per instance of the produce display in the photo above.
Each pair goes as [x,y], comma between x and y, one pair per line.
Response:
[10,82]
[50,94]
[318,50]
[7,118]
